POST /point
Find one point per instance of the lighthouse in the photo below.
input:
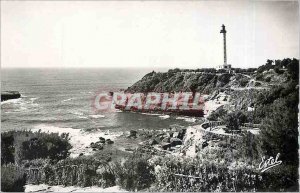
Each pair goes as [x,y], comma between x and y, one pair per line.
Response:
[225,65]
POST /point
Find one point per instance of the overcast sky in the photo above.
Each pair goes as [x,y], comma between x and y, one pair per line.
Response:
[153,34]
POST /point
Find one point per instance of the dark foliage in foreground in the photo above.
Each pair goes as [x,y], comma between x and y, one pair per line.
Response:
[134,173]
[13,178]
[186,175]
[27,145]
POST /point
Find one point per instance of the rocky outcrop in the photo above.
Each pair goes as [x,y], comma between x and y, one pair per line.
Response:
[177,81]
[7,95]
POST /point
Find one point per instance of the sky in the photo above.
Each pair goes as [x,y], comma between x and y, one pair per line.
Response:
[146,34]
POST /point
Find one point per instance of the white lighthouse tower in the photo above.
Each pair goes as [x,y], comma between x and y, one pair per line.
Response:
[225,66]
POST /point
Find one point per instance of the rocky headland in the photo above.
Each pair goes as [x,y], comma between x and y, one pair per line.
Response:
[7,95]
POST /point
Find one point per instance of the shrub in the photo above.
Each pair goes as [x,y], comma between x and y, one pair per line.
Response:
[244,82]
[28,145]
[200,175]
[82,171]
[134,173]
[7,148]
[13,178]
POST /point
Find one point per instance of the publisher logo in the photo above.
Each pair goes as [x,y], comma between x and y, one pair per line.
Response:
[106,101]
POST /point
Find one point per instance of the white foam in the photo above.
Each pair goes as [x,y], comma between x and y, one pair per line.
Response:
[187,119]
[152,114]
[33,99]
[164,116]
[11,101]
[82,117]
[97,116]
[79,139]
[67,100]
[76,113]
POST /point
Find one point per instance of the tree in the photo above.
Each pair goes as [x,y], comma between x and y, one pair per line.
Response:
[233,120]
[279,132]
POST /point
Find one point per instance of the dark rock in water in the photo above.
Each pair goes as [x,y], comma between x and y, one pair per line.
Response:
[96,146]
[101,139]
[81,154]
[165,146]
[132,134]
[108,141]
[175,141]
[6,95]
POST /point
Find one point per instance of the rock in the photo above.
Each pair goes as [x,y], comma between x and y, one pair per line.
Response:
[153,142]
[204,144]
[6,95]
[166,140]
[165,146]
[108,141]
[132,134]
[160,134]
[175,134]
[97,146]
[102,139]
[81,154]
[175,141]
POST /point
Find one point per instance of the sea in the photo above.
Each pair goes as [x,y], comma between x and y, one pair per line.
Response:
[63,98]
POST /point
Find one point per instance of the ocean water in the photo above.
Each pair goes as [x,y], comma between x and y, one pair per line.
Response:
[63,98]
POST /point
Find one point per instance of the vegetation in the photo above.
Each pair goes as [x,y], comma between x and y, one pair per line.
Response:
[134,173]
[27,145]
[197,175]
[19,146]
[13,178]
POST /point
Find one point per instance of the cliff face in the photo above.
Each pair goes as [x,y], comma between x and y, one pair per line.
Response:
[205,83]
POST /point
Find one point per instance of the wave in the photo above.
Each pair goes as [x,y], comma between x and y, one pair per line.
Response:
[20,105]
[151,114]
[11,101]
[187,119]
[97,116]
[76,113]
[54,120]
[164,116]
[66,100]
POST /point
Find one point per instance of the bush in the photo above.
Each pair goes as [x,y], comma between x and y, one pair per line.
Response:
[134,173]
[199,175]
[13,178]
[7,148]
[244,82]
[28,145]
[82,171]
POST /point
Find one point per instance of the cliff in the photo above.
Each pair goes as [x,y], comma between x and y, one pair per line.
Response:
[202,82]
